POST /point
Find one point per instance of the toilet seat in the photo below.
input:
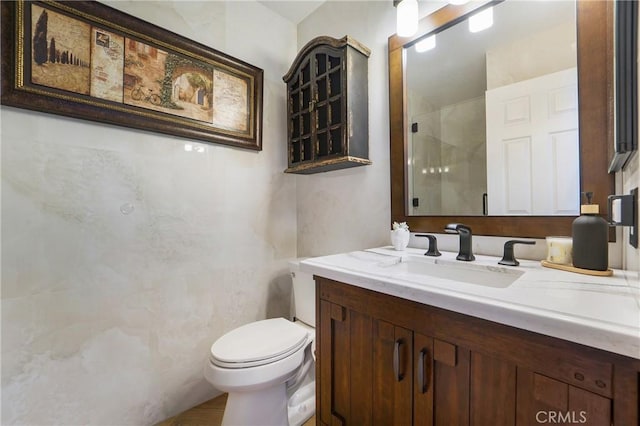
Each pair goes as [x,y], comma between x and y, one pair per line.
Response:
[258,343]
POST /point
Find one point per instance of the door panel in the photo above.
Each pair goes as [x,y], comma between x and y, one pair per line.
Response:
[493,391]
[338,372]
[532,146]
[392,374]
[451,384]
[423,389]
[542,399]
[361,369]
[593,409]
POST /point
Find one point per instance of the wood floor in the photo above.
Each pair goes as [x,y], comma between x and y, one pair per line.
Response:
[208,414]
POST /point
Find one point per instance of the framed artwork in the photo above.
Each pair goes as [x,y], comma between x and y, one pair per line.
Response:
[86,60]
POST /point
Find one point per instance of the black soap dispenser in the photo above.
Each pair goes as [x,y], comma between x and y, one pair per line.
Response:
[590,234]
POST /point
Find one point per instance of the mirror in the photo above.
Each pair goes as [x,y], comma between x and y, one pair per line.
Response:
[494,128]
[594,72]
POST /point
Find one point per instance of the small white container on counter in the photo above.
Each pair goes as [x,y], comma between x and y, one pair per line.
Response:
[559,250]
[400,239]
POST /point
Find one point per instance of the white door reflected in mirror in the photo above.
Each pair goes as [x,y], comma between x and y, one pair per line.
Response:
[532,143]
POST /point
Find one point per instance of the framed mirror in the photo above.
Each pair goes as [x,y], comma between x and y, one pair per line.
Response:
[443,164]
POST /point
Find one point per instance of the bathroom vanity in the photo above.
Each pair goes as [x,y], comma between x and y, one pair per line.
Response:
[407,339]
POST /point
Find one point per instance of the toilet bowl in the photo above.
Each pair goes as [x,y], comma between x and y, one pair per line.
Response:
[267,367]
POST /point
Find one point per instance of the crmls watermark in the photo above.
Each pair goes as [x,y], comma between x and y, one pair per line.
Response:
[563,417]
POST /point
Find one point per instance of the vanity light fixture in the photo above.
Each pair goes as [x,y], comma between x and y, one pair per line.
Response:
[406,17]
[481,20]
[425,44]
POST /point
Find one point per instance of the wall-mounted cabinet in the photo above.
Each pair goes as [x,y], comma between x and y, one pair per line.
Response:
[327,106]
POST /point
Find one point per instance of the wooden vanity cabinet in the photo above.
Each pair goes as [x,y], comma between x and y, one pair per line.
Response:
[383,360]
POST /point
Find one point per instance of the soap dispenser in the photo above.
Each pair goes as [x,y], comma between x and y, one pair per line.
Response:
[590,234]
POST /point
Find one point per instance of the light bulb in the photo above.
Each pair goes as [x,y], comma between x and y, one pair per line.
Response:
[407,18]
[481,20]
[426,44]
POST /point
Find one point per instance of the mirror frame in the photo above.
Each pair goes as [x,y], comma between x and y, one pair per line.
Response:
[595,96]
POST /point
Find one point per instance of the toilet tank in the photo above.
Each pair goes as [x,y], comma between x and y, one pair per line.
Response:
[304,294]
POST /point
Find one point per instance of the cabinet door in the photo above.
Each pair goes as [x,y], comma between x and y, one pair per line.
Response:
[392,374]
[344,385]
[423,389]
[329,102]
[300,113]
[542,399]
[493,391]
[441,385]
[451,384]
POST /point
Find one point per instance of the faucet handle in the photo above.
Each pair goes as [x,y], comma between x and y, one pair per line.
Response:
[433,245]
[508,257]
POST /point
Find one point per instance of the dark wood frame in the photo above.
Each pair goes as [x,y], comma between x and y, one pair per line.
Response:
[626,57]
[595,82]
[18,91]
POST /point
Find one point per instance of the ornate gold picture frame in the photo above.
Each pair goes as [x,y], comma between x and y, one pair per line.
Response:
[86,60]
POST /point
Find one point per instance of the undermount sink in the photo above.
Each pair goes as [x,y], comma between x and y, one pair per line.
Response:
[490,276]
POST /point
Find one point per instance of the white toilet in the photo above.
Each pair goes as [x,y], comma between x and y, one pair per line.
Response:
[268,367]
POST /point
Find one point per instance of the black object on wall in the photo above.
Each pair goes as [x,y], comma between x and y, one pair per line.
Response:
[626,72]
[328,106]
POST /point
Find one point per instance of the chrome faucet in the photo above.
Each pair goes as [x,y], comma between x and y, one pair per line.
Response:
[465,253]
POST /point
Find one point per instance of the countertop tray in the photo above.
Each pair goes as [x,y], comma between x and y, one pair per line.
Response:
[571,268]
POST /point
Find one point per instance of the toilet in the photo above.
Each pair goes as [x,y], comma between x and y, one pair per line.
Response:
[268,367]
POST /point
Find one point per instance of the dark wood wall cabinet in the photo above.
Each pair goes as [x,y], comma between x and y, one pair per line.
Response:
[327,106]
[389,361]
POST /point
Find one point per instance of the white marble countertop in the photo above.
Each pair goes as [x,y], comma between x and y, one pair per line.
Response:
[601,312]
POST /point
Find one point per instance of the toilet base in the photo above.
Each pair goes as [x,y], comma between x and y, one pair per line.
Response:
[302,404]
[266,407]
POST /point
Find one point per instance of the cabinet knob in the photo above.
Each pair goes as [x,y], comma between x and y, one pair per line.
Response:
[579,376]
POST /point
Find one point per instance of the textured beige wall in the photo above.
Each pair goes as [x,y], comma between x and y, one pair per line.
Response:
[350,209]
[630,180]
[124,256]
